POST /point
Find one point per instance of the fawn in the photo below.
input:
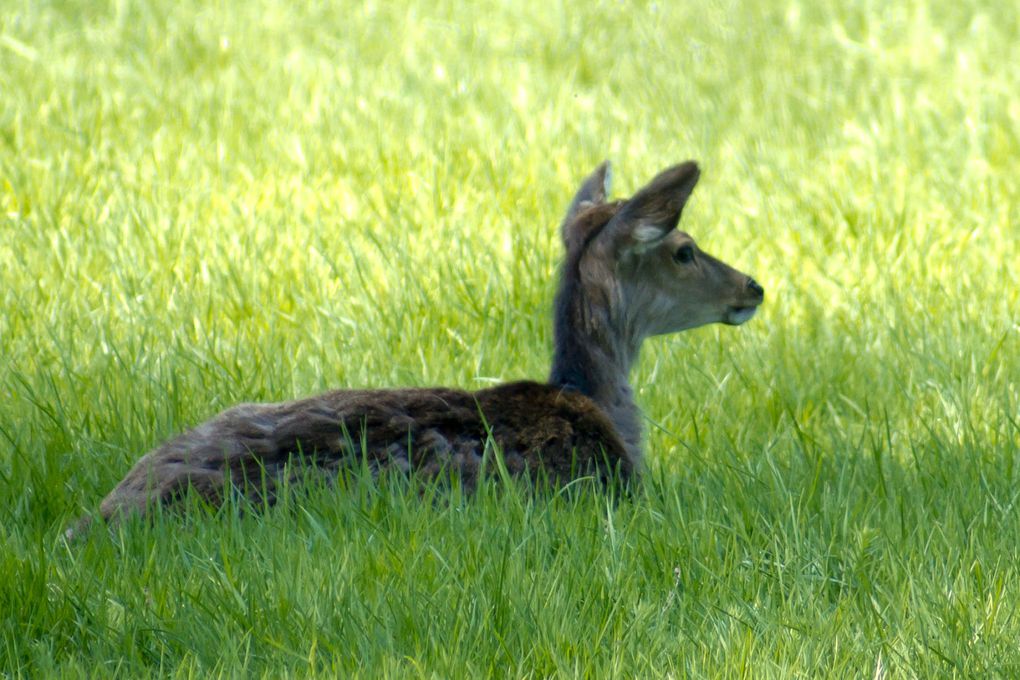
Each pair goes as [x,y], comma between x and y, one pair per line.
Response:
[628,274]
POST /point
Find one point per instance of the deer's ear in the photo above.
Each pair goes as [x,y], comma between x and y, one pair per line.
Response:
[654,211]
[593,191]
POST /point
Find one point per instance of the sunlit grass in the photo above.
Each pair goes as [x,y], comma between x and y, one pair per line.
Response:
[202,203]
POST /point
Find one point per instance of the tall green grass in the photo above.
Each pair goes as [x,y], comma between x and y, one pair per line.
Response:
[208,202]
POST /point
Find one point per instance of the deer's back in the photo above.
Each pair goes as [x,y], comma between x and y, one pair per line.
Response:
[541,431]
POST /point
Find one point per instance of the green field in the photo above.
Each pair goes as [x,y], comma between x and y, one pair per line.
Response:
[209,202]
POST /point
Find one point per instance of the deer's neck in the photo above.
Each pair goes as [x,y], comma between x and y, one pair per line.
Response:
[593,355]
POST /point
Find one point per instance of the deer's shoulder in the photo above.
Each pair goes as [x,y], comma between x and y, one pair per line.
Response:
[541,416]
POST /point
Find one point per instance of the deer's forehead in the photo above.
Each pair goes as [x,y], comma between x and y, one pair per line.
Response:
[678,238]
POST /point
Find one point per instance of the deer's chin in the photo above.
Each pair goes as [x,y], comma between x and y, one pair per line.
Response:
[738,315]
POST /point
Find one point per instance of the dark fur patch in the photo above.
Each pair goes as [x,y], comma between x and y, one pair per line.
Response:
[541,431]
[570,368]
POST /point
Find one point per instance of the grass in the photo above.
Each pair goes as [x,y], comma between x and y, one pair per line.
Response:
[202,203]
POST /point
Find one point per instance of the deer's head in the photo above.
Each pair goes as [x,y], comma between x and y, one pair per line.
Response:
[630,261]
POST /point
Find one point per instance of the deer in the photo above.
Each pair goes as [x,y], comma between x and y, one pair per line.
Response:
[628,274]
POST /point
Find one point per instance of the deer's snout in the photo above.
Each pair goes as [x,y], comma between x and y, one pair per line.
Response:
[755,288]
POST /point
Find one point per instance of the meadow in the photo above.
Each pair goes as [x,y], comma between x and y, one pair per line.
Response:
[203,203]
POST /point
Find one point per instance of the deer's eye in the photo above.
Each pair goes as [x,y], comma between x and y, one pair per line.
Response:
[684,255]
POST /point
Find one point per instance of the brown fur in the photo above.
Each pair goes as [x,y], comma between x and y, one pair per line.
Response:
[628,274]
[541,431]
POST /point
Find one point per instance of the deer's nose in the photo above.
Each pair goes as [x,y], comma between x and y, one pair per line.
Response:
[755,288]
